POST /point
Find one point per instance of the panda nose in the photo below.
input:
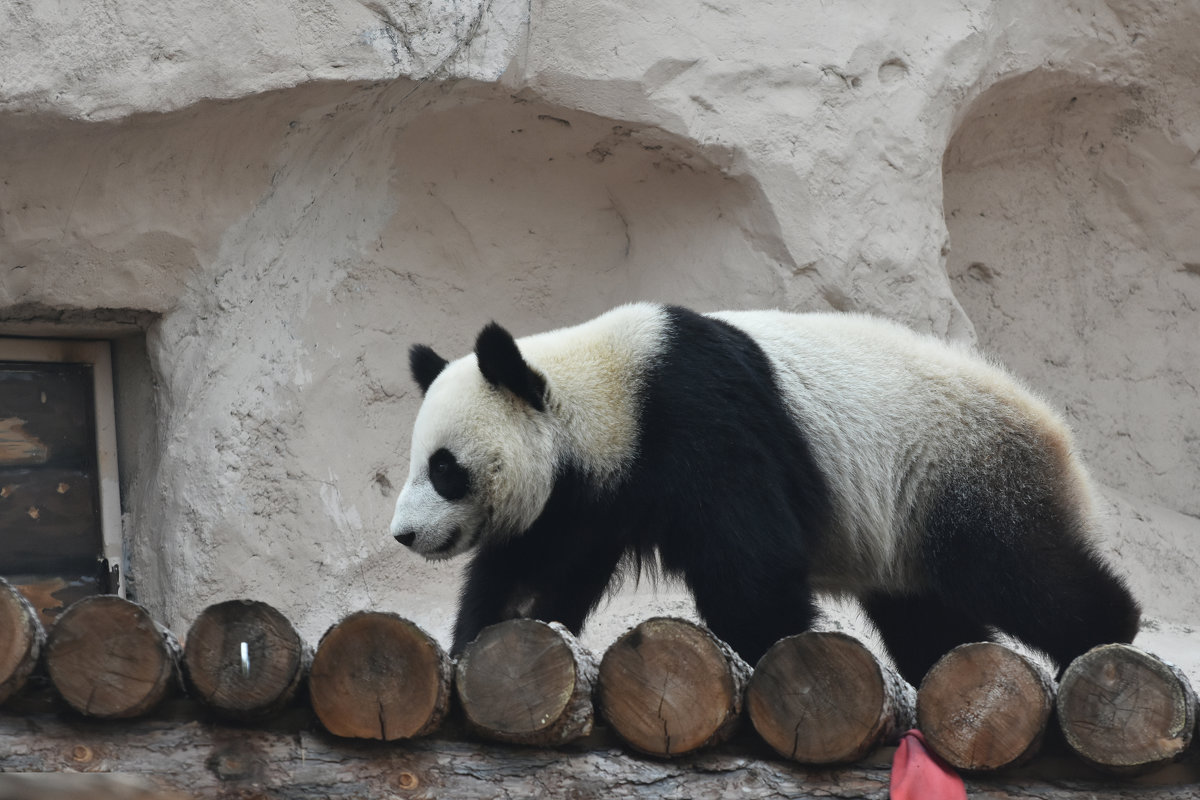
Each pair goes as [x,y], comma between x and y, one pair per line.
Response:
[407,537]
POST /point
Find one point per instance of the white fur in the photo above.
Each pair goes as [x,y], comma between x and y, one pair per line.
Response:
[595,371]
[511,451]
[883,409]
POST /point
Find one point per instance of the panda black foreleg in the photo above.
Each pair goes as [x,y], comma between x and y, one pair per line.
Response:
[751,610]
[919,629]
[536,578]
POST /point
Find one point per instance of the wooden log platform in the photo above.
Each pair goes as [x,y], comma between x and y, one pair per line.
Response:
[376,675]
[1126,711]
[188,747]
[182,747]
[527,682]
[823,698]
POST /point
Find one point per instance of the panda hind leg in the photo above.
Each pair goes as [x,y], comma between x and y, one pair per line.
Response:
[750,616]
[1059,598]
[1025,566]
[919,629]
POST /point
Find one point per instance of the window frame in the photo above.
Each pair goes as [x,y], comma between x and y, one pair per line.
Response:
[98,354]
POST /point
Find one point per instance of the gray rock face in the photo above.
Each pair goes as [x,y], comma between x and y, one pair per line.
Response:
[283,197]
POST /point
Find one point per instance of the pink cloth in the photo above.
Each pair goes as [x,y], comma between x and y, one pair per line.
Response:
[918,774]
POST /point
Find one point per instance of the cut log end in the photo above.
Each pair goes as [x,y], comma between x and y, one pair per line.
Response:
[1126,711]
[669,687]
[527,682]
[984,706]
[108,658]
[379,676]
[21,640]
[823,698]
[244,659]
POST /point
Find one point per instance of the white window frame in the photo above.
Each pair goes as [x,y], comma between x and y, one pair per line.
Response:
[97,353]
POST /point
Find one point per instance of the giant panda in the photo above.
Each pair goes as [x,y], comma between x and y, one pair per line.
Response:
[763,457]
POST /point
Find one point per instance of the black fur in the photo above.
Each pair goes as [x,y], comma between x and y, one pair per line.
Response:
[501,363]
[918,629]
[448,477]
[726,490]
[555,571]
[425,365]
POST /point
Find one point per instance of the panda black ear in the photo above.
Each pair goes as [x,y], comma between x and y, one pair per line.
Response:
[425,365]
[501,363]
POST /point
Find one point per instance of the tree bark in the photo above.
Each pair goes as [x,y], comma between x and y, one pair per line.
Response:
[21,640]
[378,676]
[292,758]
[77,786]
[669,686]
[984,706]
[823,698]
[244,659]
[1126,711]
[108,658]
[527,682]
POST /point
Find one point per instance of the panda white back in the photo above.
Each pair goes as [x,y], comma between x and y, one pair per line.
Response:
[888,412]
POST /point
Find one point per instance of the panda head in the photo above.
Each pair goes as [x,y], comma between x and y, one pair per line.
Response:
[483,459]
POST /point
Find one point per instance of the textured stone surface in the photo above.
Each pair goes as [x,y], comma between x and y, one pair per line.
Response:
[1075,219]
[286,195]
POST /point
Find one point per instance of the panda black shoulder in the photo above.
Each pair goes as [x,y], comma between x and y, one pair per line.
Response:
[715,424]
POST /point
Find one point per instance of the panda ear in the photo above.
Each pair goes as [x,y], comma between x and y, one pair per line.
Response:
[501,363]
[425,365]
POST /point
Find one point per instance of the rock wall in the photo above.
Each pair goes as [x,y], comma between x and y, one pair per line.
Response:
[1075,219]
[278,198]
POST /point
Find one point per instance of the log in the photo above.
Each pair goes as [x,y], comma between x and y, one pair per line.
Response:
[823,698]
[377,675]
[108,658]
[244,659]
[1126,711]
[21,640]
[527,682]
[669,687]
[984,706]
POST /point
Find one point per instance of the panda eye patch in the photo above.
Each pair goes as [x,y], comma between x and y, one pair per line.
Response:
[448,477]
